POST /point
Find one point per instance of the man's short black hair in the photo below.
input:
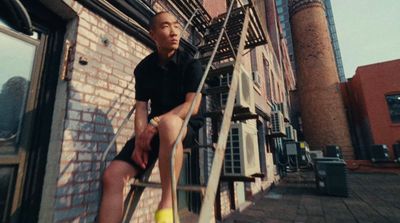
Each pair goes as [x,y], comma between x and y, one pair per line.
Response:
[153,19]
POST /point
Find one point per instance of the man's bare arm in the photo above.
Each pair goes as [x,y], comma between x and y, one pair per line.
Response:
[140,117]
[143,135]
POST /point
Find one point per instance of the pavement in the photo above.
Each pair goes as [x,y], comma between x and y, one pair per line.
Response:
[373,197]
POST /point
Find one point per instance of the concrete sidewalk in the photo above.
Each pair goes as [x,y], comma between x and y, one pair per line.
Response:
[373,197]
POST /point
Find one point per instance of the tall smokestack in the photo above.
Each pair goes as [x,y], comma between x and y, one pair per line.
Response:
[321,103]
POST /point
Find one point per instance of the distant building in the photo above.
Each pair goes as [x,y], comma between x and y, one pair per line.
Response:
[283,11]
[372,98]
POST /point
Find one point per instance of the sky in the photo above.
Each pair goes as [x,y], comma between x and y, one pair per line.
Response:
[368,31]
[16,59]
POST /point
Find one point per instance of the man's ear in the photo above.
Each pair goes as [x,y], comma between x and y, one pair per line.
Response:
[151,32]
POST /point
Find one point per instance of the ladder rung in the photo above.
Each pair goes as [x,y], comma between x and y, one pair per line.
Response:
[238,178]
[197,188]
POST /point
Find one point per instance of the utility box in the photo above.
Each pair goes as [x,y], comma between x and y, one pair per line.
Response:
[291,148]
[314,154]
[331,177]
[379,153]
[333,151]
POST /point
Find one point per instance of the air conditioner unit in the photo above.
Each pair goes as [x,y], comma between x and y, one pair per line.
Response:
[256,78]
[284,109]
[379,153]
[295,135]
[331,177]
[278,124]
[333,151]
[245,93]
[241,154]
[289,132]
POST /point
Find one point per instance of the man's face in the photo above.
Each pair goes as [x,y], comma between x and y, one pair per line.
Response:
[166,32]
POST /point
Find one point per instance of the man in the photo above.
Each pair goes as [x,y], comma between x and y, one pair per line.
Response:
[169,79]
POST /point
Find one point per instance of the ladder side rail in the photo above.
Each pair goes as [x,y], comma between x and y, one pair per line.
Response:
[128,116]
[134,195]
[189,114]
[209,199]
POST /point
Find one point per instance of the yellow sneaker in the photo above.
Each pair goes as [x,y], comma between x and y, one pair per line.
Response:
[164,215]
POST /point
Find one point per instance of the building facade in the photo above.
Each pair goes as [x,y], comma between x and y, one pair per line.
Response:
[69,86]
[283,11]
[373,103]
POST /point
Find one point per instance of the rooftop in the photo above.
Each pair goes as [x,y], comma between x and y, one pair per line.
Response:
[373,197]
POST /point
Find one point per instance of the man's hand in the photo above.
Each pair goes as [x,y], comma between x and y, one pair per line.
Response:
[142,146]
[146,136]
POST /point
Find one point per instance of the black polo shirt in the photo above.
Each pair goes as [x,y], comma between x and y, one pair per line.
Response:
[167,85]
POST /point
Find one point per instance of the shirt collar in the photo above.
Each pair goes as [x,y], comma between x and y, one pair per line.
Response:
[174,59]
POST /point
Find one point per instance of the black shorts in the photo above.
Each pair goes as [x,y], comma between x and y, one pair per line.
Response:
[127,150]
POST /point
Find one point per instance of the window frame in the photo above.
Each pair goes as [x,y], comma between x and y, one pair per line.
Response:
[392,118]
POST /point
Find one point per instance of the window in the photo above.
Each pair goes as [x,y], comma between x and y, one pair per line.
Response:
[267,80]
[393,102]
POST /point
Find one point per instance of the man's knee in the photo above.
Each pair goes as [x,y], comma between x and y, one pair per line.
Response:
[169,123]
[109,177]
[114,176]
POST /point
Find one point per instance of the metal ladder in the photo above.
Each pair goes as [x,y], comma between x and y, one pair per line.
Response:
[224,46]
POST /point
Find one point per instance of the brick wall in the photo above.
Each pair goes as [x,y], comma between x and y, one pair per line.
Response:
[214,8]
[100,96]
[225,200]
[368,104]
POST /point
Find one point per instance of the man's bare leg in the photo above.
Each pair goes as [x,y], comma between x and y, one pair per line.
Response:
[114,178]
[168,130]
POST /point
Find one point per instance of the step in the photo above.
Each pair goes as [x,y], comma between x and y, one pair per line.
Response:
[186,187]
[223,44]
[232,30]
[235,16]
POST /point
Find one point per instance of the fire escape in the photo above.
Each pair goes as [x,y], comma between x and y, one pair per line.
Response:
[225,40]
